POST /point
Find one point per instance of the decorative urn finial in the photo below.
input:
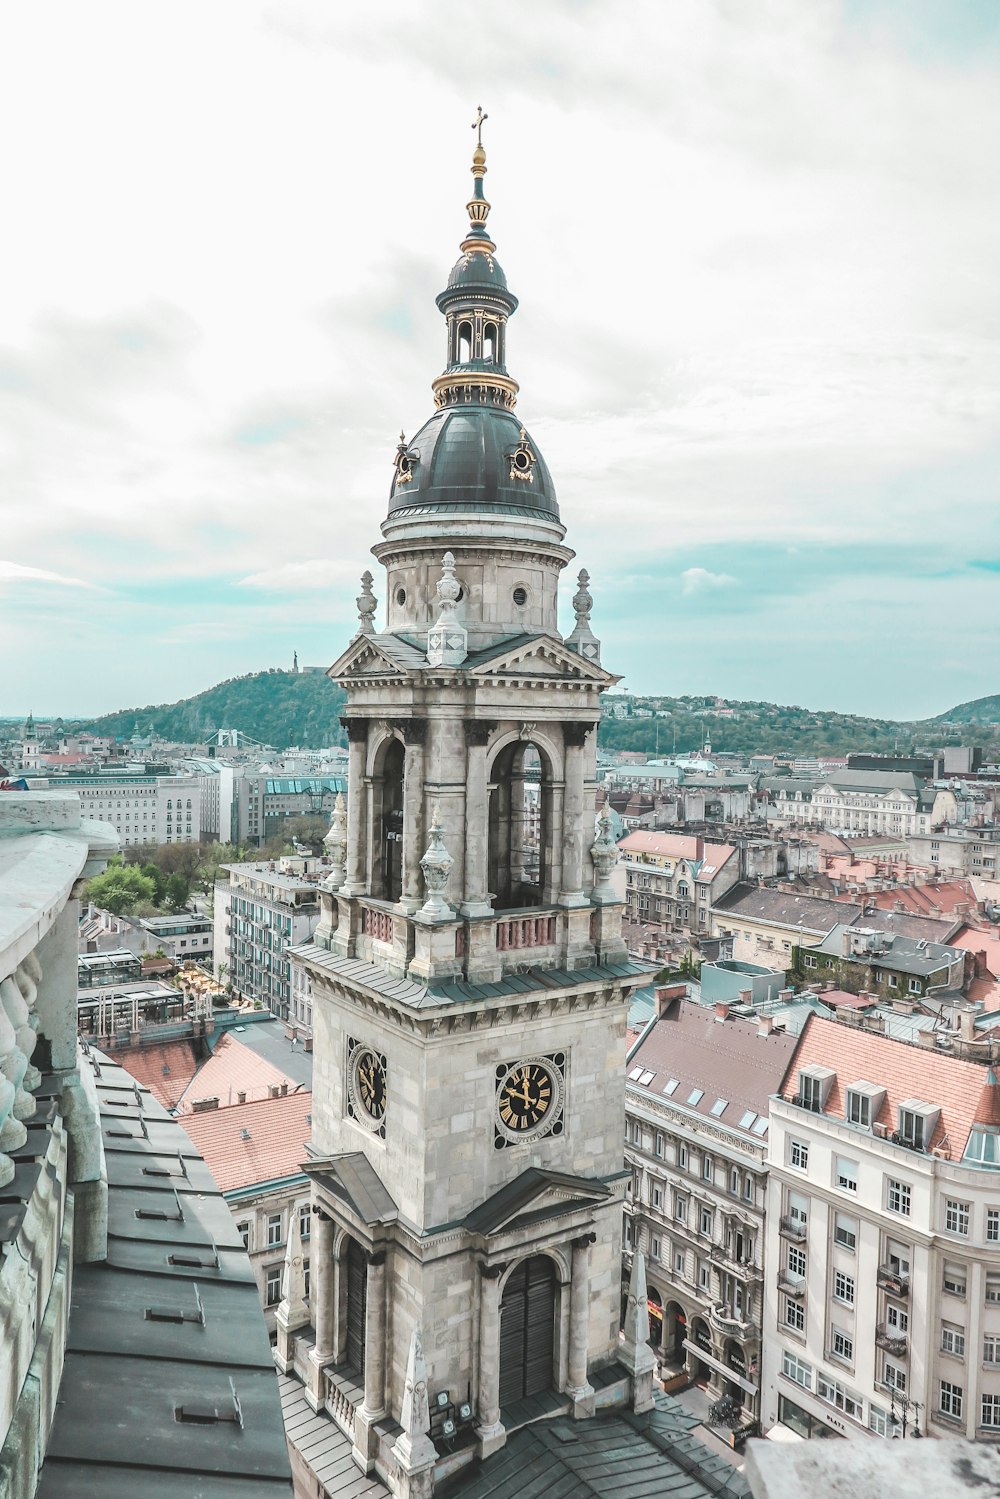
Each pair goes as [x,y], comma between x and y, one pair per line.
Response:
[367,604]
[335,844]
[583,640]
[447,639]
[436,865]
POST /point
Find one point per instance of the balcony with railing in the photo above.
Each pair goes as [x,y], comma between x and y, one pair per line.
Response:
[792,1228]
[729,1324]
[791,1285]
[890,1279]
[889,1341]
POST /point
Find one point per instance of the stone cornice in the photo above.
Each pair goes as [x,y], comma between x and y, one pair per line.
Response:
[654,1108]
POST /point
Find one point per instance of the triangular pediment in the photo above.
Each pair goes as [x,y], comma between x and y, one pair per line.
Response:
[539,656]
[370,656]
[533,1195]
[351,1179]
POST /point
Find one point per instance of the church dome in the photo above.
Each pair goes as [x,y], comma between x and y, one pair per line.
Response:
[483,272]
[473,458]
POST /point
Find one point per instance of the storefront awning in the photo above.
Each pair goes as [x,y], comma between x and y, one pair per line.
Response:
[719,1366]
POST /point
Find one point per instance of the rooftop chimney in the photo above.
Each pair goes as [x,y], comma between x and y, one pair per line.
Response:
[766,1025]
[721,1010]
[666,996]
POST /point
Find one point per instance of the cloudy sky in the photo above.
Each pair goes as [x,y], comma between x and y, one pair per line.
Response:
[756,245]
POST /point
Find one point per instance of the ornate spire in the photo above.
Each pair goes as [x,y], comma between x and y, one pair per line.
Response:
[413,1449]
[367,604]
[447,639]
[335,844]
[479,209]
[583,640]
[636,1355]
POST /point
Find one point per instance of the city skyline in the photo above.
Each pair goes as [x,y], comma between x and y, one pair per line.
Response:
[757,340]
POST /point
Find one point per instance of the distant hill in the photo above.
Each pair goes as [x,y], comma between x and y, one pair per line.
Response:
[980,710]
[283,708]
[277,707]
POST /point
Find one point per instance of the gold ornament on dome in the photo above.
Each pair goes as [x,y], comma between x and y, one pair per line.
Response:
[403,462]
[523,460]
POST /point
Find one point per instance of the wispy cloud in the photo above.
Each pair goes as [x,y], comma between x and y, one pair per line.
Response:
[700,580]
[299,577]
[18,572]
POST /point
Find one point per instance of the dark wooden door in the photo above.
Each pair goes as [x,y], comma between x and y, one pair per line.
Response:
[527,1330]
[357,1298]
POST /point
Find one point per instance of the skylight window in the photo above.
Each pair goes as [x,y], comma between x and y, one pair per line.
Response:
[671,1087]
[748,1119]
[696,1095]
[760,1127]
[634,1074]
[646,1079]
[719,1107]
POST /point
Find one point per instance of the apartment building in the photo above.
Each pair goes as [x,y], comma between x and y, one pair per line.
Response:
[696,1111]
[767,926]
[866,958]
[259,914]
[882,1297]
[140,808]
[971,851]
[671,880]
[897,802]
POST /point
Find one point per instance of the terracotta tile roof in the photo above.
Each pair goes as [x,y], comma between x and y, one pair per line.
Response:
[726,1059]
[165,1069]
[231,1069]
[927,900]
[664,845]
[839,999]
[278,1129]
[975,941]
[904,1071]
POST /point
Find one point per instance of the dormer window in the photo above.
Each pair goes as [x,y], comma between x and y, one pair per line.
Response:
[917,1123]
[863,1103]
[814,1088]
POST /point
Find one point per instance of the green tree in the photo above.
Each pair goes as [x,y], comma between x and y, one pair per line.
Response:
[119,889]
[155,873]
[176,892]
[310,830]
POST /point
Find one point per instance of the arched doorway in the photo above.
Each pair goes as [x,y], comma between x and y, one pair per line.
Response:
[520,828]
[357,1302]
[527,1330]
[734,1358]
[676,1320]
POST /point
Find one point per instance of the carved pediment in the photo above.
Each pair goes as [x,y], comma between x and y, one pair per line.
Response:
[534,1195]
[540,656]
[382,657]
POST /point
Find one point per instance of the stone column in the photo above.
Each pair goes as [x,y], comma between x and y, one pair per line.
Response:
[357,734]
[477,815]
[414,734]
[579,1386]
[373,1407]
[574,815]
[490,1430]
[324,1306]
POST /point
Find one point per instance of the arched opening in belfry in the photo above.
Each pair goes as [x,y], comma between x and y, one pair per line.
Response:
[527,1330]
[490,343]
[464,343]
[387,871]
[520,830]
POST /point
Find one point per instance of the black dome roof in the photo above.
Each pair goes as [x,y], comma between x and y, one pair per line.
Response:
[461,460]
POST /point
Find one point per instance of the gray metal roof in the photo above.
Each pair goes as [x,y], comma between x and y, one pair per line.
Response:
[170,1321]
[324,1447]
[619,1456]
[517,1196]
[353,1178]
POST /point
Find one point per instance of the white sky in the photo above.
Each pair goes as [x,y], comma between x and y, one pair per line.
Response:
[755,246]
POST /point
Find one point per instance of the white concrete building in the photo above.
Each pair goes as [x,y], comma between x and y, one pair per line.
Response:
[259,915]
[140,808]
[883,1241]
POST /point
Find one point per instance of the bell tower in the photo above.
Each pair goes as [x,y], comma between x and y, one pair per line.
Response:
[470,983]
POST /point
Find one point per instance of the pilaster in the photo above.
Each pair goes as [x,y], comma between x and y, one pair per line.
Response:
[490,1429]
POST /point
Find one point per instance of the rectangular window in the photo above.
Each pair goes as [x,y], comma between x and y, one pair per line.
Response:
[654,1248]
[795,1315]
[796,1262]
[798,1154]
[992,1290]
[657,1197]
[847,1174]
[679,1262]
[704,1276]
[956,1217]
[991,1410]
[911,1129]
[993,1225]
[680,1210]
[952,1339]
[835,1394]
[705,1225]
[272,1291]
[244,1232]
[896,1318]
[843,1287]
[951,1399]
[796,1369]
[954,1279]
[273,1230]
[991,1350]
[843,1346]
[682,1157]
[305,1221]
[659,1144]
[845,1232]
[706,1168]
[748,1188]
[894,1376]
[734,1182]
[897,1197]
[880,1422]
[859,1108]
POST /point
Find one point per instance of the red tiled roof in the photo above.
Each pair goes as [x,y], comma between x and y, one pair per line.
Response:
[165,1069]
[277,1128]
[665,845]
[905,1072]
[839,999]
[975,941]
[231,1069]
[926,899]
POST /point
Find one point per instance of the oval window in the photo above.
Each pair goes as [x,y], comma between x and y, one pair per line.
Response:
[520,597]
[400,597]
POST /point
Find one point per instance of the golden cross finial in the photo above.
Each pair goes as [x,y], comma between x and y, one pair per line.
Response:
[477,124]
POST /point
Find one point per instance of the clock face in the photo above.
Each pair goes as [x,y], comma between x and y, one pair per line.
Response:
[367,1089]
[528,1099]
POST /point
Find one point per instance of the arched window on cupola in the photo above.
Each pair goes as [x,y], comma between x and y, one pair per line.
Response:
[520,829]
[464,342]
[387,874]
[490,343]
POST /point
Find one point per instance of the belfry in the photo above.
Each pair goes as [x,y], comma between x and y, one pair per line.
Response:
[470,983]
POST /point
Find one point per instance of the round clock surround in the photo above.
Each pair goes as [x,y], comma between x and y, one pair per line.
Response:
[529,1099]
[367,1086]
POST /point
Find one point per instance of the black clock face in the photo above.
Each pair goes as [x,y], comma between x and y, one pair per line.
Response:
[369,1083]
[525,1096]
